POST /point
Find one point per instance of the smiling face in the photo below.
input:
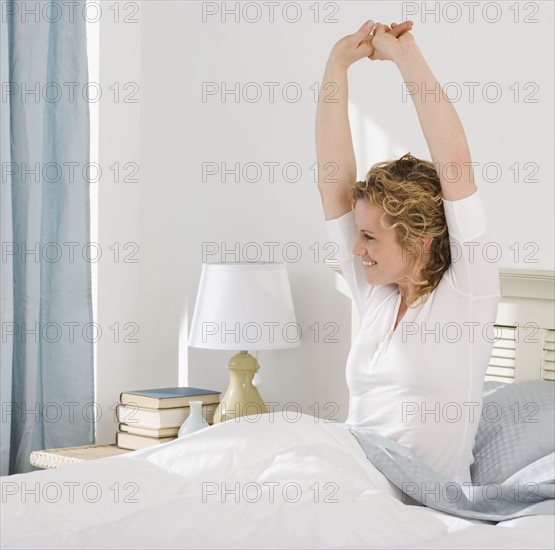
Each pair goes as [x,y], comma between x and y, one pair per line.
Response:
[418,249]
[379,245]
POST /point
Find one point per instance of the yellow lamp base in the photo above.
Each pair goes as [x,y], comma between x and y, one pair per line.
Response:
[241,397]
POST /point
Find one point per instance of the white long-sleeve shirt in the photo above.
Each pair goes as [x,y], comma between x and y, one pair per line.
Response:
[421,384]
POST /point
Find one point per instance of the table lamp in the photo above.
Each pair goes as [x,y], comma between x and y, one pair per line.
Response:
[244,307]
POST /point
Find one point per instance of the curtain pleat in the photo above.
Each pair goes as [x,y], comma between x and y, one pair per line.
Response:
[47,384]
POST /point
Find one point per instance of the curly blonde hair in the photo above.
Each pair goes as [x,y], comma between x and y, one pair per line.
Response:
[408,190]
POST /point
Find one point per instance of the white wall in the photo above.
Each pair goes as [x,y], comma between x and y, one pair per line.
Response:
[118,362]
[171,132]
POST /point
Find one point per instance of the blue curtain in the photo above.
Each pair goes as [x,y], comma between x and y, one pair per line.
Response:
[46,376]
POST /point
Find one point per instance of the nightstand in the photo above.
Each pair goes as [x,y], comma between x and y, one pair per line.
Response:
[54,458]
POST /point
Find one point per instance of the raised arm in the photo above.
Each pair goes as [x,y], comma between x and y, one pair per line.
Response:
[438,118]
[334,146]
[334,143]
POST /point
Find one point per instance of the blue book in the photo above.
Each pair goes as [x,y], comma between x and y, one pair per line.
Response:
[167,398]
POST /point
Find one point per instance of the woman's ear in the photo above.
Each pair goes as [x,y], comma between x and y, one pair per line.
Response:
[427,240]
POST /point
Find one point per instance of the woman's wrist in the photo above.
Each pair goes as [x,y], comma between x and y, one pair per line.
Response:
[334,64]
[404,52]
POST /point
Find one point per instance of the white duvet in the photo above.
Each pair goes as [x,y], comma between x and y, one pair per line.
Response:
[266,482]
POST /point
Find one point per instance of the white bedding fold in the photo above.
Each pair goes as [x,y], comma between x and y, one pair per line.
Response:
[181,499]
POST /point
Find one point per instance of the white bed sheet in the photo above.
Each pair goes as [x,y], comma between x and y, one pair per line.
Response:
[153,498]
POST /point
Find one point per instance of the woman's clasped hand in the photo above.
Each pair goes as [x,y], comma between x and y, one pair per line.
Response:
[375,41]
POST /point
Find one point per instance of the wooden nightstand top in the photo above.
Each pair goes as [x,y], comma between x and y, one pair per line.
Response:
[54,458]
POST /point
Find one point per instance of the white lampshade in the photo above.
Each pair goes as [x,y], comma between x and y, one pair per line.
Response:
[244,306]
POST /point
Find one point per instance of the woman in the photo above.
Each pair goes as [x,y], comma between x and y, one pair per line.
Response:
[410,240]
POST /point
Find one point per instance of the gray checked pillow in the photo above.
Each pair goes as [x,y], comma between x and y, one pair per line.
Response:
[517,428]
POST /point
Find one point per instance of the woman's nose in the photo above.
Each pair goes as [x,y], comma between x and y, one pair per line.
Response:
[358,249]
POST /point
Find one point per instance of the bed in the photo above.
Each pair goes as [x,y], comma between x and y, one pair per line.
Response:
[273,481]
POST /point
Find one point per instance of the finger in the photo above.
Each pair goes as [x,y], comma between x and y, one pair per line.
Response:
[379,29]
[364,31]
[403,25]
[400,29]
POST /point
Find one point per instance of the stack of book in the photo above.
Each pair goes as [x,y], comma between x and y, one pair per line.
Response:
[153,417]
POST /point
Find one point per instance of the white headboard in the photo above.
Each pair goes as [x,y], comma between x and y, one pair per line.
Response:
[524,347]
[525,341]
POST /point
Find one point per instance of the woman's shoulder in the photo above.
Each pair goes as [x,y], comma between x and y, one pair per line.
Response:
[451,289]
[379,295]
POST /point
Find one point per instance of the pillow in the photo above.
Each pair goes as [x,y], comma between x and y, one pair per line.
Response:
[517,427]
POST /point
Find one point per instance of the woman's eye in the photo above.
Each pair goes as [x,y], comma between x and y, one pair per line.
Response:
[368,238]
